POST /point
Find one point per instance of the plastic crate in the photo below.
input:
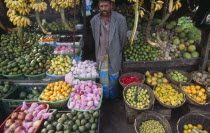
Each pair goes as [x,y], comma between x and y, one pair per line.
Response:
[11,101]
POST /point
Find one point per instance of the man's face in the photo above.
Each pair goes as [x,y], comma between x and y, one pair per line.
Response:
[105,8]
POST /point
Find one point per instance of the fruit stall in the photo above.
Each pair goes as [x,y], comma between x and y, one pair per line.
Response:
[48,84]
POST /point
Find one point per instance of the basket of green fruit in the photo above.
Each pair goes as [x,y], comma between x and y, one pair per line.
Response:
[193,122]
[154,77]
[169,95]
[208,89]
[151,122]
[201,77]
[138,96]
[132,77]
[178,76]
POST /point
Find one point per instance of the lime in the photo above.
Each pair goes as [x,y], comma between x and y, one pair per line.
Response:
[185,127]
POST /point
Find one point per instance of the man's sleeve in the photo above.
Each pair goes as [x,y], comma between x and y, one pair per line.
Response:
[92,27]
[123,31]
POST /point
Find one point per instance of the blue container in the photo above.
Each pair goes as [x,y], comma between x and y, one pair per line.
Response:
[105,91]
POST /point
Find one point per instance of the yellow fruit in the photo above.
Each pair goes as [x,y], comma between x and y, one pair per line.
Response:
[204,131]
[189,130]
[185,131]
[190,126]
[199,126]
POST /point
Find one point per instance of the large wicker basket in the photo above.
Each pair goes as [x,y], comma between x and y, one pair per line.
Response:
[194,119]
[186,74]
[192,101]
[143,86]
[135,74]
[194,77]
[152,72]
[151,115]
[167,105]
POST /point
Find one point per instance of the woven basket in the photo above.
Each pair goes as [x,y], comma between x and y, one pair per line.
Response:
[151,115]
[55,77]
[152,72]
[135,74]
[143,86]
[194,77]
[167,105]
[192,101]
[194,119]
[186,74]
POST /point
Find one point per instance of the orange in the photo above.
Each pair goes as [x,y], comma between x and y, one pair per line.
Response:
[189,91]
[194,91]
[197,87]
[198,99]
[190,126]
[185,131]
[199,126]
[203,90]
[203,97]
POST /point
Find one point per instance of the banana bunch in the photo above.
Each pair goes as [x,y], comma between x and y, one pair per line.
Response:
[38,6]
[11,12]
[141,13]
[57,4]
[177,5]
[20,21]
[158,5]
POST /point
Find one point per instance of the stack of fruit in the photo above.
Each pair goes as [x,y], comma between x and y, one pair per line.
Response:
[189,128]
[56,91]
[140,100]
[168,95]
[196,92]
[181,39]
[4,88]
[73,121]
[140,50]
[130,79]
[55,26]
[201,77]
[178,76]
[60,65]
[151,126]
[155,78]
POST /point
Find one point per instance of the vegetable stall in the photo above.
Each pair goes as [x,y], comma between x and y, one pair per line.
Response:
[47,85]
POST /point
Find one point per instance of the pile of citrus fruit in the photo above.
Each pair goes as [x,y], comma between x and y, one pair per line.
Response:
[196,92]
[56,91]
[189,128]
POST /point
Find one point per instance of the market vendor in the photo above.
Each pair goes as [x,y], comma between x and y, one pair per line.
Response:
[109,30]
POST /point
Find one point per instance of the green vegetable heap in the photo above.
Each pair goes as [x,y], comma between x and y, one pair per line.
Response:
[151,126]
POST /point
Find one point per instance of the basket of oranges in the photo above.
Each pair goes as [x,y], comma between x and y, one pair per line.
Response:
[56,94]
[195,94]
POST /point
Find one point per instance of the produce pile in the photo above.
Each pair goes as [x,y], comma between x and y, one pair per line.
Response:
[18,59]
[208,89]
[65,50]
[181,39]
[85,95]
[196,92]
[168,95]
[28,94]
[151,126]
[48,39]
[201,77]
[5,87]
[27,118]
[178,76]
[56,91]
[155,78]
[140,50]
[130,79]
[137,97]
[86,68]
[73,121]
[189,128]
[60,65]
[56,26]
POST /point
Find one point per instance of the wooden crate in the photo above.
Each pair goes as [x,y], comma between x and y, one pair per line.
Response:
[132,113]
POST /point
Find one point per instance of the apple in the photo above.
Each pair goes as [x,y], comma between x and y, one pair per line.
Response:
[25,111]
[14,115]
[14,125]
[73,90]
[18,121]
[35,113]
[9,122]
[18,129]
[31,129]
[27,125]
[21,115]
[9,130]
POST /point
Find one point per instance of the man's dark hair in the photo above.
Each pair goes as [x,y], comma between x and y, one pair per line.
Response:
[105,1]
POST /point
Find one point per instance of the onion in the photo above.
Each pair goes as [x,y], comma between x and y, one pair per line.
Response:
[96,103]
[35,118]
[88,89]
[34,105]
[89,83]
[40,107]
[98,97]
[29,117]
[46,115]
[72,104]
[27,125]
[31,129]
[24,106]
[88,98]
[39,115]
[95,91]
[90,104]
